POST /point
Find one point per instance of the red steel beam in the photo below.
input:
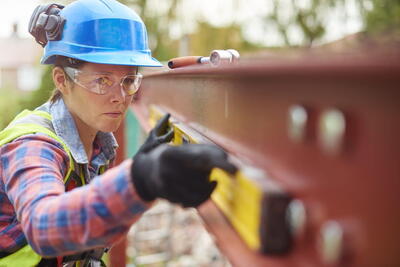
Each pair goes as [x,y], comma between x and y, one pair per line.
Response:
[245,110]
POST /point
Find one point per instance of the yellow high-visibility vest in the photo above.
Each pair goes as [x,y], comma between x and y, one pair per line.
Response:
[30,122]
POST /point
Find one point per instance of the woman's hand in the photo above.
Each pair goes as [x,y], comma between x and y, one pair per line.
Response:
[179,174]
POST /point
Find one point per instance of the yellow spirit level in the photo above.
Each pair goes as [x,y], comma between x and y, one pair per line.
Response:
[252,202]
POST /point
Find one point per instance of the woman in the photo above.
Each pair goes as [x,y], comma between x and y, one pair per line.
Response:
[59,203]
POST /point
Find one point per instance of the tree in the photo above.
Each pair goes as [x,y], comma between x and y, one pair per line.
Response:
[9,105]
[310,17]
[209,37]
[42,94]
[157,24]
[383,17]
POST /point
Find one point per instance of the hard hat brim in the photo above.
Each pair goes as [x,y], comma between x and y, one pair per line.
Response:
[129,58]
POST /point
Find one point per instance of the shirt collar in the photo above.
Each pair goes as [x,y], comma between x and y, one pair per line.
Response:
[64,127]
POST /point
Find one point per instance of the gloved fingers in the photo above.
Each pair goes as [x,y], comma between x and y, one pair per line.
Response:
[181,174]
[166,137]
[199,180]
[188,196]
[171,195]
[222,163]
[216,157]
[190,155]
[197,200]
[148,145]
[162,125]
[176,192]
[186,182]
[206,157]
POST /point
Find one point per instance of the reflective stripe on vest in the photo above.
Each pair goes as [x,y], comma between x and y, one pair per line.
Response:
[30,122]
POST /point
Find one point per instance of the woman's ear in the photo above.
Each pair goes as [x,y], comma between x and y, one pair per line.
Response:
[60,80]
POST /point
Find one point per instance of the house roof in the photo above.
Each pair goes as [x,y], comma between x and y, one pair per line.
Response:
[15,51]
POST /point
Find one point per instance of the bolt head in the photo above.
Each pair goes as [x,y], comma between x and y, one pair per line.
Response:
[331,242]
[296,217]
[297,123]
[332,128]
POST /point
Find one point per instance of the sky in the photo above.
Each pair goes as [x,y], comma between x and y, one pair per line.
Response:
[218,12]
[12,11]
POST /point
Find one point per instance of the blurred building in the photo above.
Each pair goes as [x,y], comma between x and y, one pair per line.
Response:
[19,62]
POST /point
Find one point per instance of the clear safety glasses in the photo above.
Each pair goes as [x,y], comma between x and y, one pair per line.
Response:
[102,83]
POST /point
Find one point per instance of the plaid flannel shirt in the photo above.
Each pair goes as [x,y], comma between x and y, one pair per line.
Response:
[35,207]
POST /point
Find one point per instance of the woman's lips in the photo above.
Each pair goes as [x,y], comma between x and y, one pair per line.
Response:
[113,114]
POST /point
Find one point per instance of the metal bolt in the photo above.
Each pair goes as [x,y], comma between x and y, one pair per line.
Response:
[332,127]
[331,245]
[297,121]
[219,57]
[235,55]
[296,217]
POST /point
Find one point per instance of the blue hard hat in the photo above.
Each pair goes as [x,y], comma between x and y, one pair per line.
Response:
[101,31]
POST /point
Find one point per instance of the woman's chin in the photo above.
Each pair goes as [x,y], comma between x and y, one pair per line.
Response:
[110,127]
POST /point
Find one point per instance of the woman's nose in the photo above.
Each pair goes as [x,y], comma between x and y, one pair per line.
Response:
[118,93]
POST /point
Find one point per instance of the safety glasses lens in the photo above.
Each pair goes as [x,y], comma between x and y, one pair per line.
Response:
[131,83]
[102,84]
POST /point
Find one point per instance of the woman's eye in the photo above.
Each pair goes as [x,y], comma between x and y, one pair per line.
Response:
[103,81]
[129,81]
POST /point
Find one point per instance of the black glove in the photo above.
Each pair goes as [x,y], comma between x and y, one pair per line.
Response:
[179,174]
[158,135]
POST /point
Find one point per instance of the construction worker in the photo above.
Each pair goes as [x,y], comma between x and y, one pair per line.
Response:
[60,202]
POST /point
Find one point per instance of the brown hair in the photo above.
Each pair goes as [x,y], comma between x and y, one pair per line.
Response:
[63,62]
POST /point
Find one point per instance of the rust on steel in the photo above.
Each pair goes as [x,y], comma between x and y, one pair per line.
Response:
[245,108]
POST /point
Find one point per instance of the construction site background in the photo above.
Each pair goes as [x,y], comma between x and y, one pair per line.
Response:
[168,235]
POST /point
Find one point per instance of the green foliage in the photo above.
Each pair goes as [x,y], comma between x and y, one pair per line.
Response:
[10,105]
[310,21]
[12,102]
[308,17]
[384,17]
[380,17]
[42,94]
[209,37]
[162,46]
